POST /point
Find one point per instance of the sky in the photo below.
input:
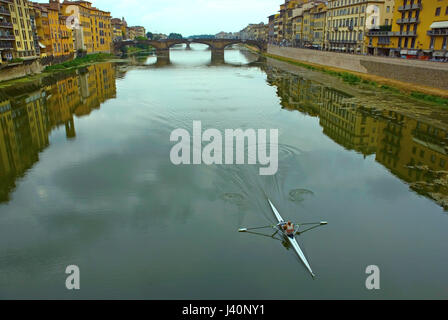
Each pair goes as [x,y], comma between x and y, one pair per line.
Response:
[190,17]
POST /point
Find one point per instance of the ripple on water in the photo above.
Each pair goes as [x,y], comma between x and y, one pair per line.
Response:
[300,195]
[233,198]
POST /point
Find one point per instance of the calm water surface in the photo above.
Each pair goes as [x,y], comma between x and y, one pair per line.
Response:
[86,180]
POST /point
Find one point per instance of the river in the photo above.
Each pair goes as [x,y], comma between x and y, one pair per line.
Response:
[86,180]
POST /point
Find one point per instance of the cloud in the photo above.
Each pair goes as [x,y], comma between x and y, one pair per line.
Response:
[190,17]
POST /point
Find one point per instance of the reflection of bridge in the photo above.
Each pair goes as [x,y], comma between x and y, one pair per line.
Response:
[165,60]
[217,46]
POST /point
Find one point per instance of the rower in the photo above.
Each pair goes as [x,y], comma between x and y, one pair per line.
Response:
[289,229]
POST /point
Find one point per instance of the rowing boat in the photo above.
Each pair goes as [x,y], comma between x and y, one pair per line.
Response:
[292,240]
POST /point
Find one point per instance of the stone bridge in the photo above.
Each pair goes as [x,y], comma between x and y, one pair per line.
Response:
[217,46]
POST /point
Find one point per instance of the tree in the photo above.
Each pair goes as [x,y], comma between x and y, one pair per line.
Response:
[175,36]
[149,35]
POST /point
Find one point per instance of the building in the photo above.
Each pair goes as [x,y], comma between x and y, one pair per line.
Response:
[94,34]
[349,21]
[42,26]
[54,37]
[253,31]
[119,29]
[271,33]
[419,30]
[308,24]
[136,32]
[23,31]
[227,35]
[278,29]
[6,32]
[319,18]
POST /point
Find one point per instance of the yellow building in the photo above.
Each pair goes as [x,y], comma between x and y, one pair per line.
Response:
[288,19]
[6,32]
[24,39]
[420,29]
[297,26]
[94,33]
[309,20]
[55,38]
[43,29]
[119,29]
[349,21]
[319,18]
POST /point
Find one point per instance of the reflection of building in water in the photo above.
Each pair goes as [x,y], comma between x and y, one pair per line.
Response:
[413,150]
[417,153]
[62,100]
[343,122]
[23,126]
[27,120]
[347,124]
[97,85]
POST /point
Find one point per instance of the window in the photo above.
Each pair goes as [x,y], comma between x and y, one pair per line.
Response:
[438,11]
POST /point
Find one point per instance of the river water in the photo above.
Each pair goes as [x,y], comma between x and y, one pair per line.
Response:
[86,180]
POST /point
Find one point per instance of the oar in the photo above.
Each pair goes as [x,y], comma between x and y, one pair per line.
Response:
[322,223]
[248,229]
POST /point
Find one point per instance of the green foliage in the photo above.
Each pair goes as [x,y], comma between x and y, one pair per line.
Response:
[89,59]
[141,38]
[175,36]
[202,36]
[16,60]
[429,98]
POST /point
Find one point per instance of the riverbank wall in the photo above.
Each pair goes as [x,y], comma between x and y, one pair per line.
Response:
[29,67]
[419,73]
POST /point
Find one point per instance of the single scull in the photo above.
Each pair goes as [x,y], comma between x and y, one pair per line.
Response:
[292,240]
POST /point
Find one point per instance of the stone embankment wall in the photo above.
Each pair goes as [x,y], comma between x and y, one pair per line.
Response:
[26,68]
[427,73]
[20,70]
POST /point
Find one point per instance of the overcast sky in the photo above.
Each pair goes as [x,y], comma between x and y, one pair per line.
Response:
[190,16]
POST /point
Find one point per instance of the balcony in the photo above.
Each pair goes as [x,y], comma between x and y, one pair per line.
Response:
[4,12]
[438,32]
[408,20]
[410,7]
[343,41]
[405,34]
[6,25]
[6,37]
[5,46]
[380,34]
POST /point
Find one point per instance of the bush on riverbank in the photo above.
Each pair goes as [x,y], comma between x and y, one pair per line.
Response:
[429,98]
[92,58]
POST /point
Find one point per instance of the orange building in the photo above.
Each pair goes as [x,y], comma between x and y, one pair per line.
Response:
[94,33]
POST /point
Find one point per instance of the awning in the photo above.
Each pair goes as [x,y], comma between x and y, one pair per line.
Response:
[440,24]
[404,52]
[412,52]
[438,54]
[446,55]
[42,46]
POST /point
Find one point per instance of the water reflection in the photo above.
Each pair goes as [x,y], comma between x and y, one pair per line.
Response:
[27,120]
[415,151]
[234,56]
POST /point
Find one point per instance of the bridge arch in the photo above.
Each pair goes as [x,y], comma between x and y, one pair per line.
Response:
[214,44]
